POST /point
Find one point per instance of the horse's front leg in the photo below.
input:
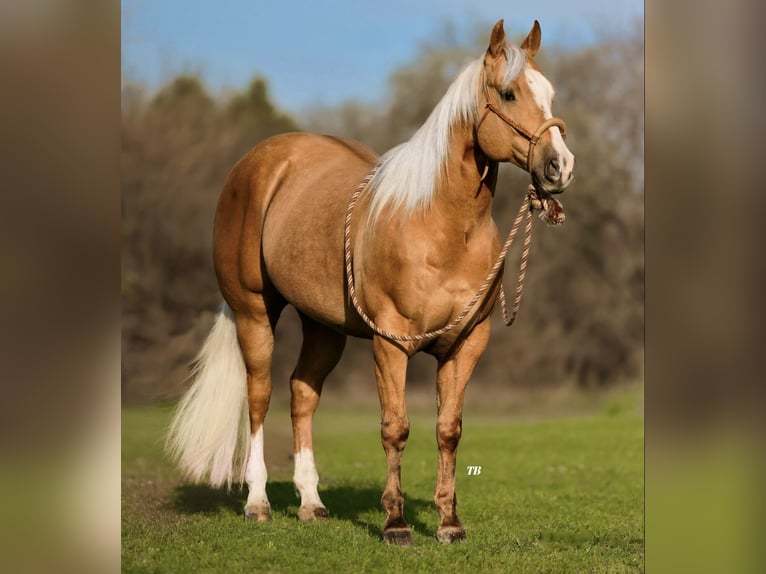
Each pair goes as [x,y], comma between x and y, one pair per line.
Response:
[390,372]
[452,376]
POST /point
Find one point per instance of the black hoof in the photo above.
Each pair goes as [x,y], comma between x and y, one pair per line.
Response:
[398,536]
[450,534]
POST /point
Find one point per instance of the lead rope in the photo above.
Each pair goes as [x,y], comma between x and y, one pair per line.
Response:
[552,213]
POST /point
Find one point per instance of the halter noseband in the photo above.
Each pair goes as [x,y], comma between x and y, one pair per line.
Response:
[532,138]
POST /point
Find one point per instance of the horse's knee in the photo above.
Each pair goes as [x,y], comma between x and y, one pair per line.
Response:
[395,431]
[448,432]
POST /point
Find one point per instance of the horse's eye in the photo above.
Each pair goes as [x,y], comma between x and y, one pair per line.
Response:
[508,96]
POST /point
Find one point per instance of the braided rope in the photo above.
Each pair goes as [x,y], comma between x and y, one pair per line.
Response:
[531,201]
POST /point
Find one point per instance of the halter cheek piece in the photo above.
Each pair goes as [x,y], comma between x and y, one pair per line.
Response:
[532,138]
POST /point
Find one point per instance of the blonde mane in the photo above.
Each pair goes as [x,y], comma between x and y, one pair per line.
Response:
[408,174]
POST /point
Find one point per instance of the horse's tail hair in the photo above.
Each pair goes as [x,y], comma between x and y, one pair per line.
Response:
[209,435]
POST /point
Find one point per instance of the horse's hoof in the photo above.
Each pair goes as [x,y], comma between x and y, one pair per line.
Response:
[258,513]
[398,536]
[312,513]
[450,534]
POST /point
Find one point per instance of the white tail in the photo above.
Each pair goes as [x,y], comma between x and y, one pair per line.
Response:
[210,433]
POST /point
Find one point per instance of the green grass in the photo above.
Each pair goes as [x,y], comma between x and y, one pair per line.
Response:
[562,495]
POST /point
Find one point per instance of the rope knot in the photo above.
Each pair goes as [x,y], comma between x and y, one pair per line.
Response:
[551,210]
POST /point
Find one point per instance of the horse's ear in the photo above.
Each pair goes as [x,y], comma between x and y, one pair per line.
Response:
[497,40]
[531,43]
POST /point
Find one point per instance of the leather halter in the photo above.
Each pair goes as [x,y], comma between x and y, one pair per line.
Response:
[532,138]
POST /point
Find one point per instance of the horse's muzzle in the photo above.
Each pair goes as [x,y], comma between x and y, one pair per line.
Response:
[557,174]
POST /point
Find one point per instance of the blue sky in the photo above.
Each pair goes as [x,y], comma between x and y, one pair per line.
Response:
[324,52]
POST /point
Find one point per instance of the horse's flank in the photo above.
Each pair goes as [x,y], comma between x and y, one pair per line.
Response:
[280,231]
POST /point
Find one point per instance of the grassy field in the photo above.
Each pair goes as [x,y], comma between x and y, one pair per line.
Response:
[554,495]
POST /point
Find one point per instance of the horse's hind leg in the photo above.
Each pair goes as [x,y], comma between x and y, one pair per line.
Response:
[321,349]
[255,331]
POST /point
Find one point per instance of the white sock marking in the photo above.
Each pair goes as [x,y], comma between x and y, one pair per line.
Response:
[306,478]
[256,474]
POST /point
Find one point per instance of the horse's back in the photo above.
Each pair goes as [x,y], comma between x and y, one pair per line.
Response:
[280,220]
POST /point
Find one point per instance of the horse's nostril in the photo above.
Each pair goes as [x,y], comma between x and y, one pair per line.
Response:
[553,169]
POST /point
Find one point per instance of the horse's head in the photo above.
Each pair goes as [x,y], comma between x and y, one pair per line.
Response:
[517,124]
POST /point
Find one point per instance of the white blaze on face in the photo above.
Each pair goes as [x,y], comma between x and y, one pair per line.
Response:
[542,91]
[255,474]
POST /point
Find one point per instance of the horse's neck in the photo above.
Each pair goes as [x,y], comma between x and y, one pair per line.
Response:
[464,194]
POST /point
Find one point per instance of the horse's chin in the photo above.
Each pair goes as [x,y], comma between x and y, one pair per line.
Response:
[547,187]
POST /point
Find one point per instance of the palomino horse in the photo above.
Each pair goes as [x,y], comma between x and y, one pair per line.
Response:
[423,240]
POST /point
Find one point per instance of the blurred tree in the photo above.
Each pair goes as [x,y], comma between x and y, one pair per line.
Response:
[255,108]
[177,147]
[251,116]
[183,93]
